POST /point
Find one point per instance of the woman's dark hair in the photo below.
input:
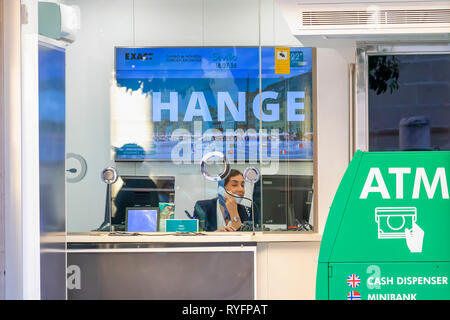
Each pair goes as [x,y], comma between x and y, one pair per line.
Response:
[233,173]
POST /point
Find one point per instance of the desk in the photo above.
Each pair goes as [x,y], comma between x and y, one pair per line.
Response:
[167,266]
[117,269]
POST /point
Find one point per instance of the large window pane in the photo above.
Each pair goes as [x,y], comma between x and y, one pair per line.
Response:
[409,102]
[154,86]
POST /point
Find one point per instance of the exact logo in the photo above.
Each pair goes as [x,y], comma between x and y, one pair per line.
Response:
[139,56]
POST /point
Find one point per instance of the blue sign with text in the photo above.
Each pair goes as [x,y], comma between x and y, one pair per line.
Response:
[202,98]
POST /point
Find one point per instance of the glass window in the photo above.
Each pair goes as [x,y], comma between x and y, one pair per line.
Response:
[409,102]
[206,126]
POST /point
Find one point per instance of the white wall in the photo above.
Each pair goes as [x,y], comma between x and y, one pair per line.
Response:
[333,126]
[285,270]
[11,115]
[2,163]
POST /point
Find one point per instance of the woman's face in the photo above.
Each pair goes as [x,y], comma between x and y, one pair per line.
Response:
[236,185]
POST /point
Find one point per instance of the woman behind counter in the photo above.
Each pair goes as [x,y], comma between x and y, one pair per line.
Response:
[214,213]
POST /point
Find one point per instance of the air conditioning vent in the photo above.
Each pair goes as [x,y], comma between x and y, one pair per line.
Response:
[379,17]
[358,19]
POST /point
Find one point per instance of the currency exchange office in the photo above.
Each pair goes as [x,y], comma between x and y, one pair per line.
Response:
[208,149]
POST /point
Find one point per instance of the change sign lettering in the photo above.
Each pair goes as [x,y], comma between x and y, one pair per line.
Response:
[179,103]
[389,226]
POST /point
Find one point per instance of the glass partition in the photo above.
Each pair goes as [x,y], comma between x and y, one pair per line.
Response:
[51,170]
[287,188]
[208,126]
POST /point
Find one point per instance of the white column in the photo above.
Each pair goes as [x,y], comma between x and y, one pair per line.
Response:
[21,150]
[12,150]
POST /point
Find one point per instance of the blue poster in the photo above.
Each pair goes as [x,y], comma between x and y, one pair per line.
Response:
[208,99]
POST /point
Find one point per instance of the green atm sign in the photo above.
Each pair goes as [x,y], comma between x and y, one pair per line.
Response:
[387,234]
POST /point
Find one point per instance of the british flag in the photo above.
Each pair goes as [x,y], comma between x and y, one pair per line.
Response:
[353,295]
[353,281]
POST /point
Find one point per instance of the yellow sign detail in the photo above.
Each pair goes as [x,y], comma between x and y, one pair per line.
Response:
[282,60]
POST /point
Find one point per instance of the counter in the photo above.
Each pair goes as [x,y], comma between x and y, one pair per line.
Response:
[104,237]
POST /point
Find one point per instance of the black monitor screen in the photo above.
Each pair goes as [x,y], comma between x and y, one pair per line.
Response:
[286,201]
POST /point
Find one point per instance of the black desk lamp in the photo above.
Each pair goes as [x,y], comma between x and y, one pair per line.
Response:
[251,175]
[109,176]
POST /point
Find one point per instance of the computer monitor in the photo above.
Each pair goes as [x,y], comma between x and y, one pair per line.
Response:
[287,201]
[140,191]
[142,219]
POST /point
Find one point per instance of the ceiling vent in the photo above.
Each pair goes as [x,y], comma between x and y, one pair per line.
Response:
[376,18]
[383,17]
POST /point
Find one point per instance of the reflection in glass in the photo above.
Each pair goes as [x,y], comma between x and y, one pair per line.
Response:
[52,126]
[140,192]
[409,102]
[208,99]
[215,166]
[287,202]
[173,106]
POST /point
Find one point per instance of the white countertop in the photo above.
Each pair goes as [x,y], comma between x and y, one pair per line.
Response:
[105,237]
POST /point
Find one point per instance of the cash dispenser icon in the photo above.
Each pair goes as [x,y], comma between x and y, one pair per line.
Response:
[400,223]
[392,221]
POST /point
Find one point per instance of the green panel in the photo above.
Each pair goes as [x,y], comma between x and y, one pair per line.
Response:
[49,20]
[390,219]
[322,281]
[373,229]
[390,281]
[338,207]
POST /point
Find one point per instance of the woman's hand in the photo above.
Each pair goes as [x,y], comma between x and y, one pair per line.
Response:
[231,204]
[226,228]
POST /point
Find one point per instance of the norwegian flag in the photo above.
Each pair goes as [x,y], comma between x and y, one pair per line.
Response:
[353,281]
[354,295]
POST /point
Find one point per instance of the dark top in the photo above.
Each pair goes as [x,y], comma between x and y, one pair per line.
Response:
[206,212]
